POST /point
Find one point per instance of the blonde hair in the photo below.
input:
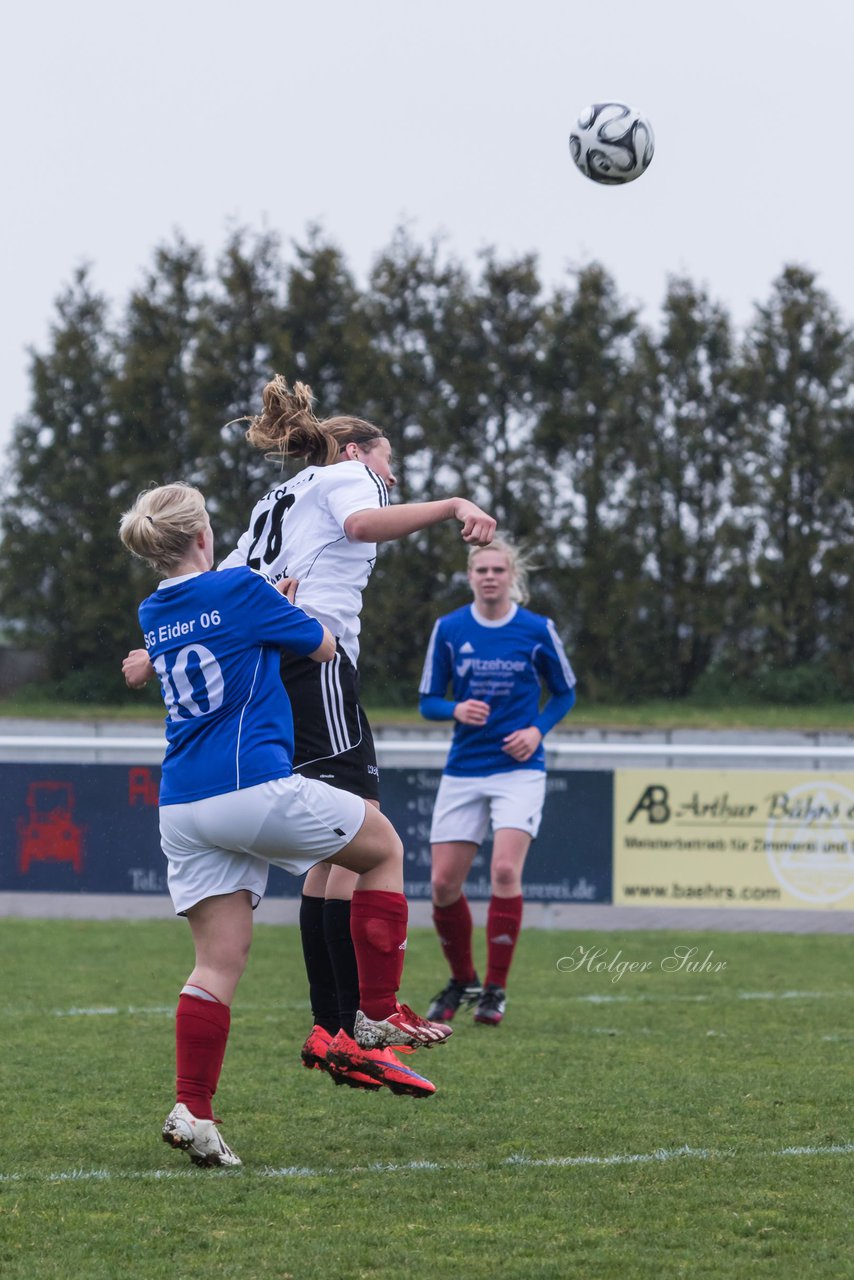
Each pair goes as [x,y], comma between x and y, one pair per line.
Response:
[287,427]
[162,523]
[519,562]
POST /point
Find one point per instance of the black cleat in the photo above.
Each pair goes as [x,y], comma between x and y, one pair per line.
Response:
[447,1002]
[491,1005]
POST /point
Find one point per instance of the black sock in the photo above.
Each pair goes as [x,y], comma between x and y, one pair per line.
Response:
[322,990]
[339,945]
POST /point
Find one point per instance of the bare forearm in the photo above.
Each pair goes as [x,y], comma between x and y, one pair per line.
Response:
[326,649]
[388,523]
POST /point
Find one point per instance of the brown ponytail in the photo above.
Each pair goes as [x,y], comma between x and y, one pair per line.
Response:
[288,428]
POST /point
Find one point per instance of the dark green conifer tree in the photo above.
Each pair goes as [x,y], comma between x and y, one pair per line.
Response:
[64,580]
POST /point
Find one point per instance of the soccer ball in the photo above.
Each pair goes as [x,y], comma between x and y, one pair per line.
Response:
[612,143]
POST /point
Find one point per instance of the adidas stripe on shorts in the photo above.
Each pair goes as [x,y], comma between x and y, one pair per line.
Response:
[465,807]
[332,738]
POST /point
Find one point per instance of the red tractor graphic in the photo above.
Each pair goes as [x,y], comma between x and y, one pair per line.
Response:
[48,833]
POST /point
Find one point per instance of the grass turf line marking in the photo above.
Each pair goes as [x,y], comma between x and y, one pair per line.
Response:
[708,999]
[570,1162]
[591,999]
[100,1011]
[843,1149]
[521,1161]
[112,1011]
[784,995]
[96,1011]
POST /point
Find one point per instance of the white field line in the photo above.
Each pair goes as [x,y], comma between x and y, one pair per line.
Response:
[158,1009]
[163,1010]
[624,998]
[155,1010]
[382,1168]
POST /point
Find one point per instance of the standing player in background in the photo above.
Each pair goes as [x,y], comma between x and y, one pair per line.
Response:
[318,534]
[495,655]
[230,804]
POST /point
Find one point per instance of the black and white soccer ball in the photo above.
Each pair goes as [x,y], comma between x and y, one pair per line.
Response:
[612,143]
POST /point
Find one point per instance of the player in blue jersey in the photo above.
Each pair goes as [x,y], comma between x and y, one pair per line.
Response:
[318,532]
[231,805]
[495,656]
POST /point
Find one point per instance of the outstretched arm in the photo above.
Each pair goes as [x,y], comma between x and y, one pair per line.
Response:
[387,523]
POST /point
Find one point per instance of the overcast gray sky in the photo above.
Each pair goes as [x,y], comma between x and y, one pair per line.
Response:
[126,121]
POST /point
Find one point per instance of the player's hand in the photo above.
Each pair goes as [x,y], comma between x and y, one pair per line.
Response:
[478,528]
[522,743]
[287,587]
[137,669]
[472,712]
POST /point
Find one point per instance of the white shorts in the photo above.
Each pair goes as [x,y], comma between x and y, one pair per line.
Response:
[465,807]
[225,843]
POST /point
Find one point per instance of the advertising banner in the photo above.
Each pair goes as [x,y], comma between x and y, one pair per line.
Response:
[734,839]
[92,828]
[570,860]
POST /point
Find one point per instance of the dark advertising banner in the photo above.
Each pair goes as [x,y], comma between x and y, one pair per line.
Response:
[570,861]
[80,829]
[89,828]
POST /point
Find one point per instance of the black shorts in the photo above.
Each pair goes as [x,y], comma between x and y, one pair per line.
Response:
[332,737]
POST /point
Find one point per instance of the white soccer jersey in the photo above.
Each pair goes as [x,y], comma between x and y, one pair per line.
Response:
[297,531]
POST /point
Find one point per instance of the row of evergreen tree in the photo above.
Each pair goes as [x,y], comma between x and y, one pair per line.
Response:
[686,488]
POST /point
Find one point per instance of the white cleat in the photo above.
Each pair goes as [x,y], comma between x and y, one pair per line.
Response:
[404,1027]
[199,1138]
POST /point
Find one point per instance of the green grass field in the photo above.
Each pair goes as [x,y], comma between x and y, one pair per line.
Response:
[661,1124]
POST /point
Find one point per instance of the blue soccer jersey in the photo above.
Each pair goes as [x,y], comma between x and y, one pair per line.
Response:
[214,640]
[503,662]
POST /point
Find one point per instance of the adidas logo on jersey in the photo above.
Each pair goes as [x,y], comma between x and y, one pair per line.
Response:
[463,667]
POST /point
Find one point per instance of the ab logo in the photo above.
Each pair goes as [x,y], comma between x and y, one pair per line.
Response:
[654,803]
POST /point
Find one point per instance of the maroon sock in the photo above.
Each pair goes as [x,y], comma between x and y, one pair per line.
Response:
[454,927]
[378,926]
[503,922]
[201,1033]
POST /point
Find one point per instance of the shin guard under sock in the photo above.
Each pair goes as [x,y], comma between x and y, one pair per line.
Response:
[503,922]
[201,1034]
[342,954]
[454,927]
[322,992]
[378,926]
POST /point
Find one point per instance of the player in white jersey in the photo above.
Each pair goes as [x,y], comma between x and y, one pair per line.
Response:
[496,656]
[321,529]
[230,804]
[296,533]
[316,534]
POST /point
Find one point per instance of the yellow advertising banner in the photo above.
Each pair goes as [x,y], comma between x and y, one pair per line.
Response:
[704,838]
